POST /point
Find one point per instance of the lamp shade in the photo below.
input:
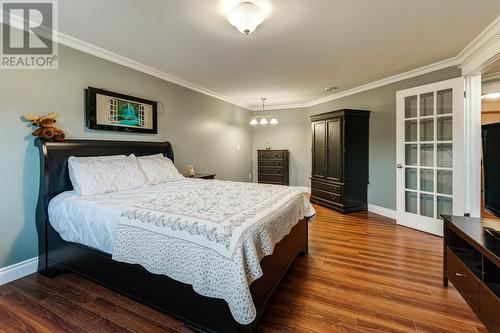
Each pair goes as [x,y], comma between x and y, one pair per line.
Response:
[254,122]
[274,121]
[246,17]
[263,121]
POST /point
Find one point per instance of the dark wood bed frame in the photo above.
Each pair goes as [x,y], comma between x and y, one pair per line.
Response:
[199,313]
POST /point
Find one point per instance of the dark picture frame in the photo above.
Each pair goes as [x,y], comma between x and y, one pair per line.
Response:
[111,111]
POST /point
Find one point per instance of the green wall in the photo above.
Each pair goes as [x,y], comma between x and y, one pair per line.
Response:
[382,104]
[204,132]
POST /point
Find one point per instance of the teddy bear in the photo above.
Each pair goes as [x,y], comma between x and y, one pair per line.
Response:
[46,127]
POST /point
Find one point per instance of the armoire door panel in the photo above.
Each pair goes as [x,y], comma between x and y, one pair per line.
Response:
[319,147]
[334,149]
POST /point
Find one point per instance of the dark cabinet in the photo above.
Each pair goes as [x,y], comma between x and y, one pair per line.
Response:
[471,261]
[339,177]
[272,166]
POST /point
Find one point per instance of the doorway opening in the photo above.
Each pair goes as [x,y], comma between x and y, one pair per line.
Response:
[490,114]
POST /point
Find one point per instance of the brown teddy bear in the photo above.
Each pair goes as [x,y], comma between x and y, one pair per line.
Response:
[46,127]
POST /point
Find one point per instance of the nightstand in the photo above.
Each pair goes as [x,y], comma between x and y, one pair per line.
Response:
[203,176]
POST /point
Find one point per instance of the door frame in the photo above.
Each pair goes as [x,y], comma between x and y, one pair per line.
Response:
[431,225]
[474,59]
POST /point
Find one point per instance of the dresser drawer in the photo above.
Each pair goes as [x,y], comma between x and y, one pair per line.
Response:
[463,279]
[329,196]
[276,154]
[337,189]
[271,170]
[275,179]
[268,162]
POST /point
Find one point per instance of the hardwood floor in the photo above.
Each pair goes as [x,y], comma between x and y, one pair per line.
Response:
[363,274]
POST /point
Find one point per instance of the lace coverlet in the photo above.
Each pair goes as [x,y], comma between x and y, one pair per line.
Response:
[211,236]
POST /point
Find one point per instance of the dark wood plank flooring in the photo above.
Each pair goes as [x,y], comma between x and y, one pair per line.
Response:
[363,274]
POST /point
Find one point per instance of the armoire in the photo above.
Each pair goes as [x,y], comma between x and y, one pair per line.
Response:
[339,177]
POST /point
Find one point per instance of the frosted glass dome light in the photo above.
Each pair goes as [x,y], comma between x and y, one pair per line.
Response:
[246,17]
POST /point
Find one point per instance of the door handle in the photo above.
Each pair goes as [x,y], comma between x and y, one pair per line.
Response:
[399,166]
[460,274]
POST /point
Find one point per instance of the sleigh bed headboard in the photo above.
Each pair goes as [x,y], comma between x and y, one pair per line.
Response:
[54,176]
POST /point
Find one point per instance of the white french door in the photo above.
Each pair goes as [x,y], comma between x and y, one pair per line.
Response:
[430,154]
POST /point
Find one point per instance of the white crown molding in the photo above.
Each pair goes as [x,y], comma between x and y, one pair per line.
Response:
[99,52]
[475,54]
[80,45]
[18,270]
[395,78]
[482,50]
[485,47]
[390,213]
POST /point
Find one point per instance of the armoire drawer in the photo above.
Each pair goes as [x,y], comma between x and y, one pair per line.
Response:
[271,154]
[337,189]
[332,197]
[463,279]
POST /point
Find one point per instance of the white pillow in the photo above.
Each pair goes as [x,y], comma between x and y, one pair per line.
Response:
[159,169]
[104,174]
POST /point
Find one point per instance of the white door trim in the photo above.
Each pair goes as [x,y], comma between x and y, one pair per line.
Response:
[415,221]
[481,52]
[472,131]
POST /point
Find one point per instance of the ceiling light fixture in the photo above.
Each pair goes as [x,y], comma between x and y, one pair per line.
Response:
[246,17]
[263,119]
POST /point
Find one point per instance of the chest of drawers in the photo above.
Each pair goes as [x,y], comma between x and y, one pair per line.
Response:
[272,167]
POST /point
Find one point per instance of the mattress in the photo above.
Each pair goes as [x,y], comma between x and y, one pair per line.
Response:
[92,220]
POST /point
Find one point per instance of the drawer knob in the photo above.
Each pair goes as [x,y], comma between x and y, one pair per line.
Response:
[460,274]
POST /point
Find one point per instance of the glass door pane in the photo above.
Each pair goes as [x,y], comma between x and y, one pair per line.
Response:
[428,148]
[444,103]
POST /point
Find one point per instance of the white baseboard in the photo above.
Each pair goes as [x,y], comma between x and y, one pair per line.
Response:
[390,213]
[18,270]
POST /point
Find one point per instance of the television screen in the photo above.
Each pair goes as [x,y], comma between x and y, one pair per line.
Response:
[491,163]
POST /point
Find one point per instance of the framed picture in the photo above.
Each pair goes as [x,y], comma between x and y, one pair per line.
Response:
[110,111]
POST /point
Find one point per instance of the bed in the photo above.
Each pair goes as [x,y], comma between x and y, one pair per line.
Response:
[143,281]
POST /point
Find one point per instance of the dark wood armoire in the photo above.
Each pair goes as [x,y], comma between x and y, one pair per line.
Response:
[339,178]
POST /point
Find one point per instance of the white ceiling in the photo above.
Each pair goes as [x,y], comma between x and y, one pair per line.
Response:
[301,48]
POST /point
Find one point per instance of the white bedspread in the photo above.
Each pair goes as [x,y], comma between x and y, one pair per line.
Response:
[207,233]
